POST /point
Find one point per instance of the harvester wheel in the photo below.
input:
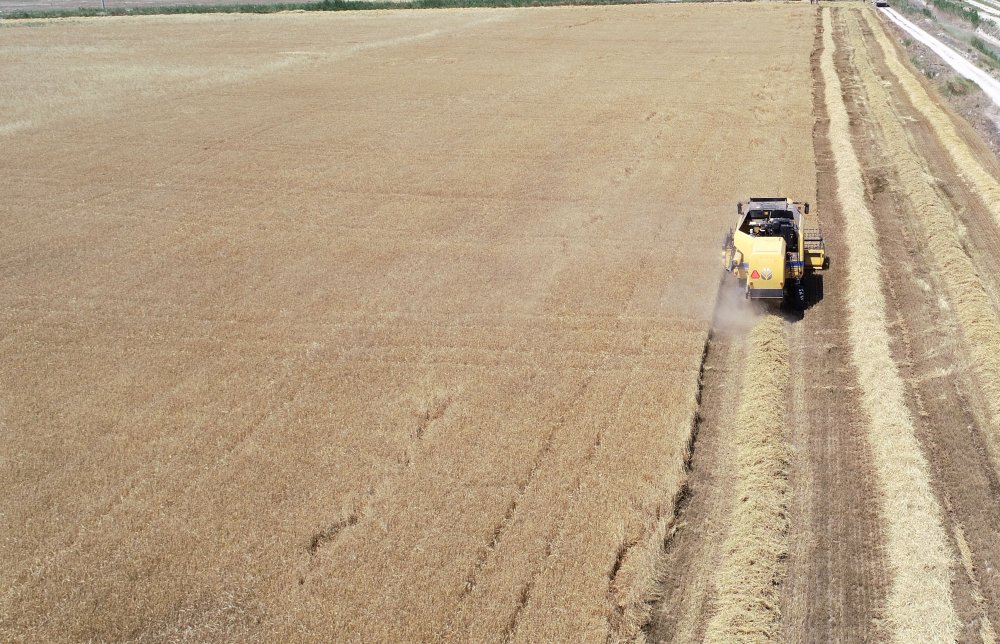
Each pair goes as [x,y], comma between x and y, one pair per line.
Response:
[797,295]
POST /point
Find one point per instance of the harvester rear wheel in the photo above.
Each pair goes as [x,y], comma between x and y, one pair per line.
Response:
[796,295]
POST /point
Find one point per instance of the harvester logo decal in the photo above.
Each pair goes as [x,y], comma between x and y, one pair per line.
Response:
[767,273]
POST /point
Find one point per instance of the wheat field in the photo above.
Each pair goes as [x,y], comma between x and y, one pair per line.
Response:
[381,325]
[407,325]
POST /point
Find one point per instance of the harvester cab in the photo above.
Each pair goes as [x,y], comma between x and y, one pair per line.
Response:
[771,252]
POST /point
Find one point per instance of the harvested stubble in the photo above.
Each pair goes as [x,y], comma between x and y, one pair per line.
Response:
[986,630]
[749,575]
[393,334]
[969,165]
[919,604]
[941,225]
[969,296]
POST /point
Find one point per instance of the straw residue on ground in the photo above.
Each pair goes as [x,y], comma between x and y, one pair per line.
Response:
[941,226]
[749,573]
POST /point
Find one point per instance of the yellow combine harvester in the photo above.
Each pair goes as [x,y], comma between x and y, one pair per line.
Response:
[771,252]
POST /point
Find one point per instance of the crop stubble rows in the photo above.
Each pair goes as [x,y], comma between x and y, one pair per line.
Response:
[952,223]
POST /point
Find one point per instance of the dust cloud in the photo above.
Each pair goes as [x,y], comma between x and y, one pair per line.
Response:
[734,314]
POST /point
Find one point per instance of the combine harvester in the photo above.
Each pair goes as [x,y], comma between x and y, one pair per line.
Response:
[771,253]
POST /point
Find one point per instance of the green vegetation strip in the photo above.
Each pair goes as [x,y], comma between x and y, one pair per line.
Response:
[324,5]
[959,10]
[984,49]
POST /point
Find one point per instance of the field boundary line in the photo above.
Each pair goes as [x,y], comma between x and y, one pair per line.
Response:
[968,166]
[919,604]
[318,6]
[749,576]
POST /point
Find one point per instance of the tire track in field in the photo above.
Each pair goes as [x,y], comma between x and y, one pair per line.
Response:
[628,595]
[919,605]
[558,531]
[753,556]
[634,577]
[489,548]
[431,411]
[561,532]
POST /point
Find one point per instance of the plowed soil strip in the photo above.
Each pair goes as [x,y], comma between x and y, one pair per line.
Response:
[837,580]
[954,427]
[919,603]
[752,564]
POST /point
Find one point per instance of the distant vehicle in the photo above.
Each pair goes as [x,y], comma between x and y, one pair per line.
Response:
[881,3]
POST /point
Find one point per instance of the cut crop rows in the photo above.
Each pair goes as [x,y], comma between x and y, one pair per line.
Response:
[919,603]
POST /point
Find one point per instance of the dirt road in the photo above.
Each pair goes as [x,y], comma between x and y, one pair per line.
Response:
[965,67]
